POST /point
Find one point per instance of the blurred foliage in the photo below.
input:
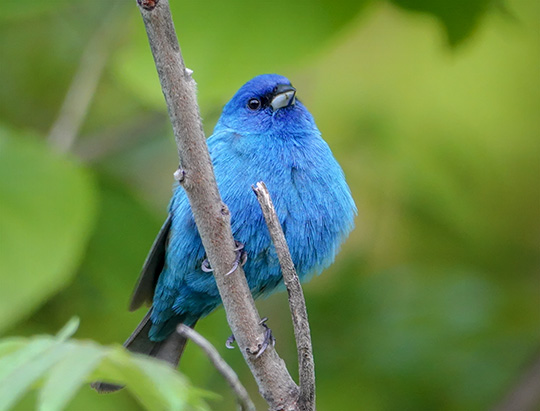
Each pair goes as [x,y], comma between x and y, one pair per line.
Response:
[34,220]
[434,301]
[60,366]
[246,39]
[459,17]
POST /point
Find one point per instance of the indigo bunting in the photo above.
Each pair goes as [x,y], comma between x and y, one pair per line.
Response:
[264,133]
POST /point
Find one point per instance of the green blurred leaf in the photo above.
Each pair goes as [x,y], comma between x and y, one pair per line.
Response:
[123,234]
[153,383]
[67,375]
[69,329]
[242,39]
[30,9]
[66,365]
[9,345]
[23,367]
[144,376]
[46,211]
[459,18]
[10,362]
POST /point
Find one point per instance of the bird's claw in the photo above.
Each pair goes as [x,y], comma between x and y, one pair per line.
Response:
[241,258]
[205,266]
[268,339]
[179,174]
[230,341]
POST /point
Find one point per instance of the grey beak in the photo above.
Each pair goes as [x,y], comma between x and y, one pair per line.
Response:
[283,96]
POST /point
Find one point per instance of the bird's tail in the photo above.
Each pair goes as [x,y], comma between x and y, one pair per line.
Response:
[169,350]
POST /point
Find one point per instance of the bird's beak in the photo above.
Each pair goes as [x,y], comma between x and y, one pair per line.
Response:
[283,96]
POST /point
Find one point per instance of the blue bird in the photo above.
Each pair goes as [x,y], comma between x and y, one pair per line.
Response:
[264,134]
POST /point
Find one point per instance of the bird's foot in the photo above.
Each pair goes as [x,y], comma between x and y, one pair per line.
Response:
[241,258]
[268,339]
[205,266]
[230,341]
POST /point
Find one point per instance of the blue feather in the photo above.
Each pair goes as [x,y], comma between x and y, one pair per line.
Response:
[283,148]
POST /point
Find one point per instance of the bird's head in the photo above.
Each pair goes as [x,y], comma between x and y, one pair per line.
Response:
[266,104]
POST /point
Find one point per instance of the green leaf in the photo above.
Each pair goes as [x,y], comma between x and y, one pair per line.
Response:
[11,362]
[64,366]
[459,18]
[112,262]
[9,345]
[155,385]
[118,369]
[26,366]
[69,329]
[68,375]
[171,388]
[46,209]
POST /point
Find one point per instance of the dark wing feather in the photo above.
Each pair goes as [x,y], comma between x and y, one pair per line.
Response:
[153,265]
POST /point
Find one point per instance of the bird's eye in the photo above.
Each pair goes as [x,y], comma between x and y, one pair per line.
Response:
[254,104]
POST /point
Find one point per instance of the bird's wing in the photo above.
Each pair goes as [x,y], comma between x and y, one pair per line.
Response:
[153,265]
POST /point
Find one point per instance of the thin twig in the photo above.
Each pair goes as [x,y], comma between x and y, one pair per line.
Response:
[228,373]
[525,394]
[297,302]
[210,213]
[83,86]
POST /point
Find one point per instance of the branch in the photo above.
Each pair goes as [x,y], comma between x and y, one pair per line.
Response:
[525,394]
[228,373]
[297,302]
[210,213]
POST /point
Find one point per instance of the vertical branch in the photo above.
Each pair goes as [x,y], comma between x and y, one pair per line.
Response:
[211,215]
[297,302]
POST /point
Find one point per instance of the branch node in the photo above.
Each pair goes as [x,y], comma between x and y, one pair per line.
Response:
[225,210]
[148,4]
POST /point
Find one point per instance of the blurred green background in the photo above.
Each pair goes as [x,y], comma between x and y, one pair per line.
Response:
[431,107]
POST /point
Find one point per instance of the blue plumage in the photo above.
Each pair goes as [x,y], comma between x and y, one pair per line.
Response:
[258,137]
[263,134]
